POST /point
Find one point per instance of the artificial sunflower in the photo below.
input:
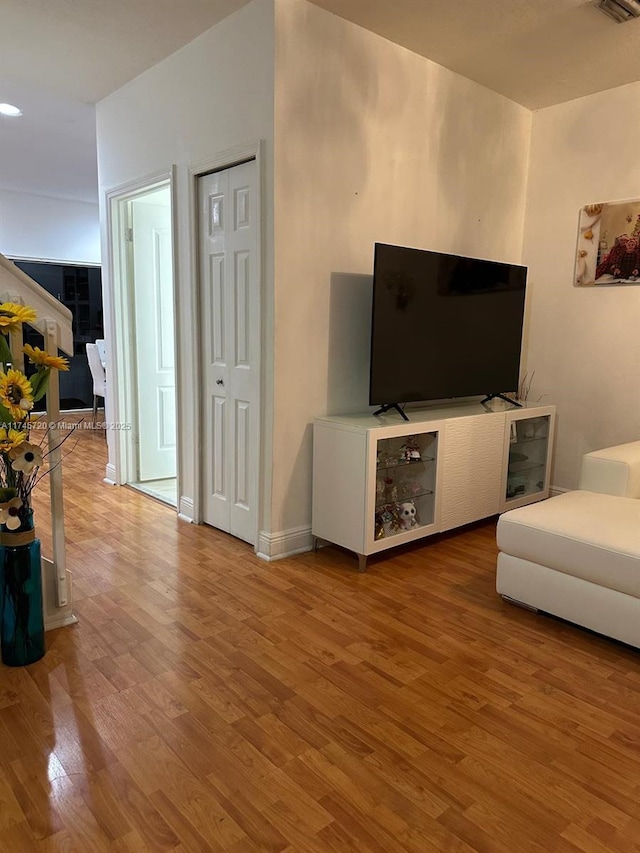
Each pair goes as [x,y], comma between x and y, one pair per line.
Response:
[26,457]
[12,316]
[10,438]
[16,393]
[41,357]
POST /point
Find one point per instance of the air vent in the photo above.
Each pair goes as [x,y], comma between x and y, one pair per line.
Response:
[620,10]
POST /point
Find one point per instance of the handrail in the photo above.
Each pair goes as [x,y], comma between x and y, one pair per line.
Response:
[54,322]
[46,306]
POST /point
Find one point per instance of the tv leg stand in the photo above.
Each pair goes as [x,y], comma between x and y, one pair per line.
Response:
[501,397]
[387,408]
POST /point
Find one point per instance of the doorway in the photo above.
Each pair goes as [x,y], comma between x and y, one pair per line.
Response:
[153,343]
[145,340]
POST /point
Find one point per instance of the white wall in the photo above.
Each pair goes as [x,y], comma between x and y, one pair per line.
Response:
[52,229]
[372,143]
[583,343]
[214,94]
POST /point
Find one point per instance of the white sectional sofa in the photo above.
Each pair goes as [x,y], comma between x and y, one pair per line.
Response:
[577,555]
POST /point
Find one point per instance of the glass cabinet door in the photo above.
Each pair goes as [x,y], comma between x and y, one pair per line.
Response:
[405,484]
[528,452]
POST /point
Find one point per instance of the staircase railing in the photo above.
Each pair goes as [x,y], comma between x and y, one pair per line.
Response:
[54,322]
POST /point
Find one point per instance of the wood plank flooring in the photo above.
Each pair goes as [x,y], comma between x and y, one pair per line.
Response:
[209,701]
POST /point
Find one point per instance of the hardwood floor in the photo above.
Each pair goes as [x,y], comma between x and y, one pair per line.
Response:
[209,701]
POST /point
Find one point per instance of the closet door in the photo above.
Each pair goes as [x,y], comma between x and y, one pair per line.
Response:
[230,348]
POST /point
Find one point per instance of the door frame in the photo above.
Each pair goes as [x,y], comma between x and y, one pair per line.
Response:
[119,319]
[217,163]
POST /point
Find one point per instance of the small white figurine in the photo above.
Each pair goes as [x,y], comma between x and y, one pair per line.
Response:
[411,450]
[407,514]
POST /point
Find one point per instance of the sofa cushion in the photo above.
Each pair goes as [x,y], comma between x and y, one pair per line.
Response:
[591,536]
[612,471]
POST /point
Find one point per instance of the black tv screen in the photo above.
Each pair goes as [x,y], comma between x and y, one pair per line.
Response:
[443,326]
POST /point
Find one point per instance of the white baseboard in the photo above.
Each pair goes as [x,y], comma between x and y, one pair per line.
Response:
[54,616]
[186,509]
[110,475]
[286,543]
[60,621]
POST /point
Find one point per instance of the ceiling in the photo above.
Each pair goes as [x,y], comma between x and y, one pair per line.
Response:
[535,52]
[59,57]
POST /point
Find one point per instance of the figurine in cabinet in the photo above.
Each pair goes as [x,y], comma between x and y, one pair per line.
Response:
[409,489]
[407,513]
[390,520]
[392,490]
[379,527]
[411,449]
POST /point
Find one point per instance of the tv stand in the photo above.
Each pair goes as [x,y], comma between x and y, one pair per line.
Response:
[387,408]
[501,397]
[377,485]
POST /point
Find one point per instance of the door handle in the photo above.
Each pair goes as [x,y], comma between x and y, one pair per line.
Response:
[219,382]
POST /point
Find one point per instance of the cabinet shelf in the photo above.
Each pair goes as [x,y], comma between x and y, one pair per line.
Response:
[403,499]
[523,490]
[404,463]
[521,467]
[392,534]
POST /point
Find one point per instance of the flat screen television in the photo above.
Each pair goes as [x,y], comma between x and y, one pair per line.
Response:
[443,326]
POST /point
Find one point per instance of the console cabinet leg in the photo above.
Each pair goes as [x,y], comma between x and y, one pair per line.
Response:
[362,562]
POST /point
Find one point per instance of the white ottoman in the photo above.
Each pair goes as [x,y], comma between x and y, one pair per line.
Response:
[576,556]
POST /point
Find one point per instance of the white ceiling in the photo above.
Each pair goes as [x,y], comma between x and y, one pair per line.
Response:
[59,57]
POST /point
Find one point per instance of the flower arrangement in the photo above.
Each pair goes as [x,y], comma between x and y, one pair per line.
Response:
[20,459]
[21,610]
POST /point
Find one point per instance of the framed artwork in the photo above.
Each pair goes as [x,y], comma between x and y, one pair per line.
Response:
[608,249]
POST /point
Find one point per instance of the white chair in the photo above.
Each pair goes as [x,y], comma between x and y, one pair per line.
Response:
[102,351]
[99,376]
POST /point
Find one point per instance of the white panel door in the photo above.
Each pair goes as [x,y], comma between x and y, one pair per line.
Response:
[154,335]
[230,348]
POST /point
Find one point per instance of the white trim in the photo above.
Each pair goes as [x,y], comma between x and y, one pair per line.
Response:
[140,185]
[186,509]
[62,262]
[55,616]
[227,159]
[557,490]
[286,543]
[60,622]
[119,318]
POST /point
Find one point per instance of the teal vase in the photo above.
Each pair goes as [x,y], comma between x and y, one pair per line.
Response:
[21,578]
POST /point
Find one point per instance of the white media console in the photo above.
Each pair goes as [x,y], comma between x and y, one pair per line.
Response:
[380,481]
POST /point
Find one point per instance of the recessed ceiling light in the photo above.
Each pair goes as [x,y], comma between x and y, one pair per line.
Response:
[10,110]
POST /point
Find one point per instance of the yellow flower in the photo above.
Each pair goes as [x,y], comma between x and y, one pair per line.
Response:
[16,393]
[40,356]
[12,316]
[10,438]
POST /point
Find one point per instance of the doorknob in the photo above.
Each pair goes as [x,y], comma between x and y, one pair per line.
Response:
[219,382]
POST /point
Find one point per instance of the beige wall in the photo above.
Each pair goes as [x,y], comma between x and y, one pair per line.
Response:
[214,94]
[582,343]
[373,143]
